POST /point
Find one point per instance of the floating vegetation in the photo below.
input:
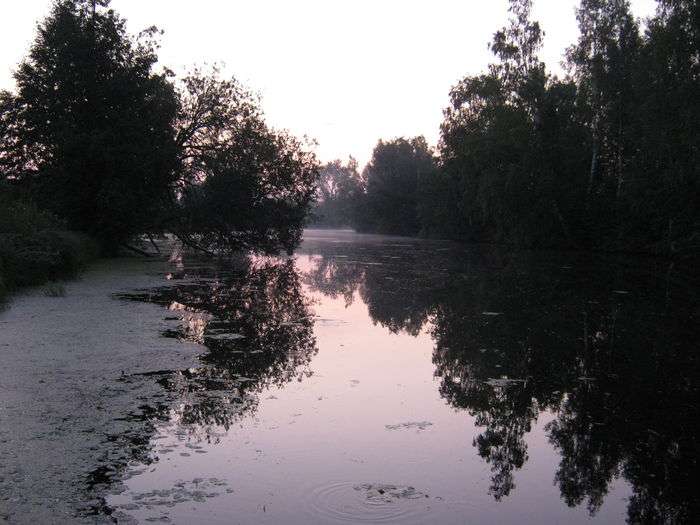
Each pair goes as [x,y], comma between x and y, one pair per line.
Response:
[380,492]
[224,337]
[197,490]
[420,425]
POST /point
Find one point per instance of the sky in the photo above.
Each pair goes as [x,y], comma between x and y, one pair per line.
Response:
[342,72]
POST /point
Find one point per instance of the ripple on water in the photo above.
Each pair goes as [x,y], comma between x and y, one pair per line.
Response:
[368,503]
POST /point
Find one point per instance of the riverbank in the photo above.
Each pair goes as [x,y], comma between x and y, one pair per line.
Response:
[73,384]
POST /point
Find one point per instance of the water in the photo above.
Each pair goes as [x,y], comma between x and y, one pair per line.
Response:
[374,379]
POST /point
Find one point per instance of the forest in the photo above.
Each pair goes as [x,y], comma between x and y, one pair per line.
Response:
[605,158]
[99,151]
[103,150]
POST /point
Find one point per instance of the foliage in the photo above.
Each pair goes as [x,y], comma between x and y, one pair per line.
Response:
[340,188]
[502,141]
[391,195]
[606,158]
[393,176]
[35,247]
[661,196]
[90,120]
[55,290]
[241,184]
[95,136]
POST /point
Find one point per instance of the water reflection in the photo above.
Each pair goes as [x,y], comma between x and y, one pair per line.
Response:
[602,349]
[257,326]
[607,347]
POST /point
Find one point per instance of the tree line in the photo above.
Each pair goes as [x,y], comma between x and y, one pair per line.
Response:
[604,158]
[98,138]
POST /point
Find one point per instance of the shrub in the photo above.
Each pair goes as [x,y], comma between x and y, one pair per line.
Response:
[35,247]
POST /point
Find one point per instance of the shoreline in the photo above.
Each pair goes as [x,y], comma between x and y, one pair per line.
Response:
[71,391]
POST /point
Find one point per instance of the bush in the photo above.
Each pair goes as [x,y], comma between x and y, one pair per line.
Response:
[35,248]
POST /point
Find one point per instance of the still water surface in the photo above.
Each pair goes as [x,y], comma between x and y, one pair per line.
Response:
[390,380]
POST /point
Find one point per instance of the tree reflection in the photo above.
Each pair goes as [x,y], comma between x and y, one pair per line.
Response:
[605,347]
[507,419]
[258,328]
[635,418]
[496,366]
[336,277]
[395,282]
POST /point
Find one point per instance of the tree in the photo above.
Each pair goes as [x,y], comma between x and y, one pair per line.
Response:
[519,69]
[661,206]
[393,174]
[340,186]
[604,63]
[638,97]
[497,144]
[118,151]
[91,130]
[241,184]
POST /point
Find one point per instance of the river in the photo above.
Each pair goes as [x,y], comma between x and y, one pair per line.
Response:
[366,379]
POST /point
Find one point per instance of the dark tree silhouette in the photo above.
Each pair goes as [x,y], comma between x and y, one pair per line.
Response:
[605,158]
[241,184]
[90,130]
[95,136]
[393,175]
[340,188]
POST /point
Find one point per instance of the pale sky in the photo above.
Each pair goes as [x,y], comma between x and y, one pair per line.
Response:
[344,72]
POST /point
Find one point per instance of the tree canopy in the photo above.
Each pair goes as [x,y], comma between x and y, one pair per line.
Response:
[340,188]
[241,184]
[98,137]
[604,158]
[393,176]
